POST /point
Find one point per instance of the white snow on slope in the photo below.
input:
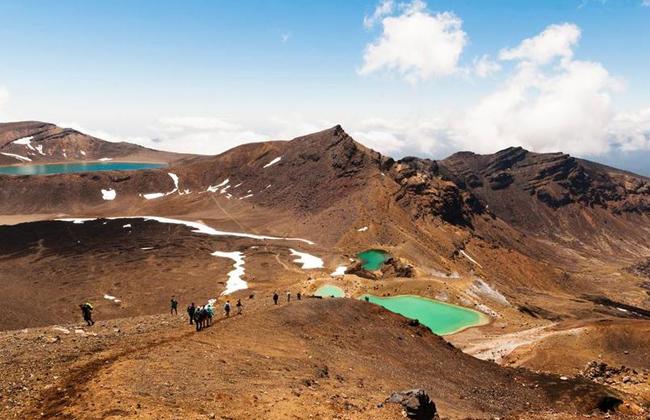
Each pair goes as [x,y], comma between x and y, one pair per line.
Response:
[82,152]
[109,194]
[273,162]
[25,141]
[197,226]
[235,281]
[363,229]
[308,261]
[126,226]
[246,196]
[105,159]
[23,158]
[215,188]
[153,196]
[174,178]
[470,258]
[340,270]
[39,149]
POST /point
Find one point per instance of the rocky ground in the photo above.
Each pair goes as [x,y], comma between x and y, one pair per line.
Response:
[334,358]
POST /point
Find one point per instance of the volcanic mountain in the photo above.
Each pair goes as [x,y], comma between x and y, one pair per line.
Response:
[543,244]
[39,142]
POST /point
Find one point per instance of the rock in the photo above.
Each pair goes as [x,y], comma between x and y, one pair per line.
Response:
[416,404]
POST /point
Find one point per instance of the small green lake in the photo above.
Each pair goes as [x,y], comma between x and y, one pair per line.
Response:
[76,167]
[442,318]
[372,259]
[329,290]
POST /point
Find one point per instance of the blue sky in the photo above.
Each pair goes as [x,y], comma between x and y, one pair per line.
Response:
[204,76]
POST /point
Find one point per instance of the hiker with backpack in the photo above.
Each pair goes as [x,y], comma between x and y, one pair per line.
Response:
[239,306]
[190,312]
[87,312]
[174,306]
[226,308]
[275,298]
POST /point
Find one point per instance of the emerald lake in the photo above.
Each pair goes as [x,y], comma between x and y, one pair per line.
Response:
[442,318]
[372,259]
[329,290]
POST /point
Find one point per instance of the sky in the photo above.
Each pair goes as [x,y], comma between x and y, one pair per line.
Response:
[403,77]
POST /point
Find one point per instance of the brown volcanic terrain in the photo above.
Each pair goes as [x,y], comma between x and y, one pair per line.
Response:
[286,361]
[547,245]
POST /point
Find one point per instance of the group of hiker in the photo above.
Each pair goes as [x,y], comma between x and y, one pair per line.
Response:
[276,297]
[200,316]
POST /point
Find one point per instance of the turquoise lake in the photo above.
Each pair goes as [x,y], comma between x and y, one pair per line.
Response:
[372,259]
[442,318]
[67,168]
[329,290]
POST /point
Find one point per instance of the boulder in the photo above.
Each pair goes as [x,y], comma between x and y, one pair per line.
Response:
[415,403]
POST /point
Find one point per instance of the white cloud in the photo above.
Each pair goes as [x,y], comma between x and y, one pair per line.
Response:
[199,134]
[645,3]
[485,66]
[411,135]
[631,130]
[285,37]
[566,108]
[382,10]
[416,44]
[554,41]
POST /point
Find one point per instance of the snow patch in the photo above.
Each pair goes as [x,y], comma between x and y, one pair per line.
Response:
[82,152]
[235,281]
[237,186]
[470,258]
[109,297]
[197,226]
[39,149]
[363,229]
[273,162]
[146,248]
[23,158]
[340,270]
[153,196]
[25,141]
[109,194]
[126,226]
[105,159]
[215,188]
[308,261]
[246,196]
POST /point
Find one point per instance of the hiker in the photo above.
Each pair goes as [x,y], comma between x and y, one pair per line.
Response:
[87,312]
[190,312]
[288,297]
[174,306]
[299,295]
[275,297]
[367,299]
[226,308]
[239,306]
